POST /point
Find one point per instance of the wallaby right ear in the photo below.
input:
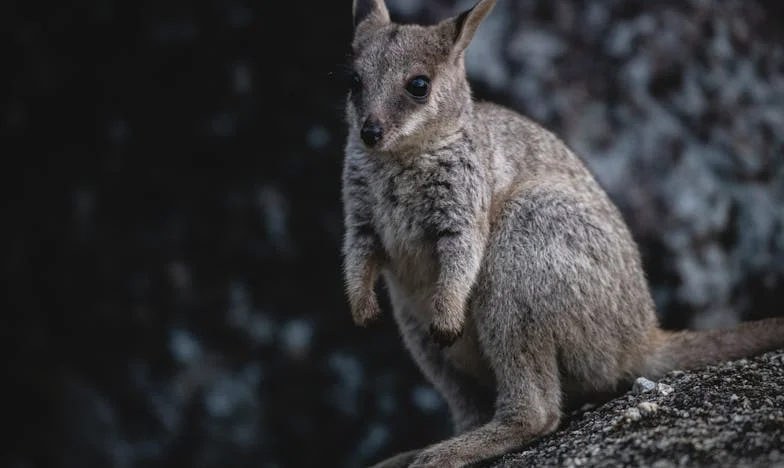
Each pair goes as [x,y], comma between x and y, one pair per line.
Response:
[464,26]
[371,10]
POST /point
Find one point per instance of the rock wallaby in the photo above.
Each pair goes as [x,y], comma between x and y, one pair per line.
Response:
[513,278]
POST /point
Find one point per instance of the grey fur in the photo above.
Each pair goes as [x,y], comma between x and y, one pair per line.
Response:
[514,280]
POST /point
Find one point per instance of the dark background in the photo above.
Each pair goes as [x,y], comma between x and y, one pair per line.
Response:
[173,230]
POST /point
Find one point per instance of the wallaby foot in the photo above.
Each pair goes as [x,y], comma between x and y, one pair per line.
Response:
[493,439]
[398,461]
[527,406]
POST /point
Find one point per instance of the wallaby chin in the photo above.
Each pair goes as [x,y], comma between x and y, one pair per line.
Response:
[689,349]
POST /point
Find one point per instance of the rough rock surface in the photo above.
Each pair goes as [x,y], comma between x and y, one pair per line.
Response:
[727,415]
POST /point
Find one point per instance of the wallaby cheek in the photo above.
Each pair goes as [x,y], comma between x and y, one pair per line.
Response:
[410,125]
[352,119]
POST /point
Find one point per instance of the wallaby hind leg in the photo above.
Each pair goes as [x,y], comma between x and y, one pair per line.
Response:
[470,404]
[528,406]
[400,460]
[527,385]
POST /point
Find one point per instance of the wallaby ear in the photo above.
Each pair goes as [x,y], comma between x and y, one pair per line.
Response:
[374,10]
[465,24]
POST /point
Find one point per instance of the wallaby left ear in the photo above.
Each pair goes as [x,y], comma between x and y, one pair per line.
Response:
[465,24]
[373,10]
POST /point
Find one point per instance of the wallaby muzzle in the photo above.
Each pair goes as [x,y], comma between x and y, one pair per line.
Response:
[371,133]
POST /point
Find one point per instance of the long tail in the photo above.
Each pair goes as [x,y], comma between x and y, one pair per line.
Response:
[691,349]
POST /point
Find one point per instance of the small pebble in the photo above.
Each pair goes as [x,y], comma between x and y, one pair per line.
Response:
[642,385]
[632,414]
[647,407]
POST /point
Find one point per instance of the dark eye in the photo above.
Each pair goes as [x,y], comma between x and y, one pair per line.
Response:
[355,82]
[419,87]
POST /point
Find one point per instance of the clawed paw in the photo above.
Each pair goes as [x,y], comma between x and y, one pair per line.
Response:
[365,311]
[444,337]
[448,318]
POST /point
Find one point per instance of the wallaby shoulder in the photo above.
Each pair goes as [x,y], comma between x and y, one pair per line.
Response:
[525,155]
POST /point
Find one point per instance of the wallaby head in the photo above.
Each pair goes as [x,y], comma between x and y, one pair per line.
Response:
[408,84]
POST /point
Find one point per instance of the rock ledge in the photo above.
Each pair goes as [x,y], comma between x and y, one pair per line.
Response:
[731,414]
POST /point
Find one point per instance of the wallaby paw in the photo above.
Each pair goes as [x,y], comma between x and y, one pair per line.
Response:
[447,325]
[365,311]
[444,337]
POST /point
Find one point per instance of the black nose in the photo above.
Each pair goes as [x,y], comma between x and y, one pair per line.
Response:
[371,133]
